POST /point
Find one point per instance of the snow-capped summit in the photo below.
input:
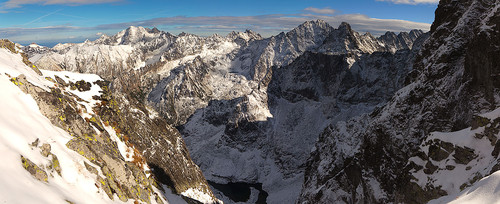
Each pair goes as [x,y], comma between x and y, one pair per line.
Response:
[309,35]
[132,35]
[34,45]
[244,37]
[310,28]
[34,48]
[62,46]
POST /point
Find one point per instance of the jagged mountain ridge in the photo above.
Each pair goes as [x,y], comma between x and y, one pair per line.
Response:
[244,53]
[229,76]
[398,152]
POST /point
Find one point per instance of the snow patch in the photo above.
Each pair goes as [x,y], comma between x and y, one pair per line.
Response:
[451,180]
[484,191]
[198,195]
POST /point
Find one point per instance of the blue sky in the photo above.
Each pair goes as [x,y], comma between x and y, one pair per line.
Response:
[47,22]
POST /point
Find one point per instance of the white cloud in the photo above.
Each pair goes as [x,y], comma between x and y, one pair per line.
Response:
[413,2]
[376,26]
[321,11]
[10,4]
[269,25]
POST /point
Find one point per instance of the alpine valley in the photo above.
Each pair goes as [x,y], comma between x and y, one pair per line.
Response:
[319,114]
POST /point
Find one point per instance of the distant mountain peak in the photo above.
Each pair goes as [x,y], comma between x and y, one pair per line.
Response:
[155,30]
[344,25]
[318,23]
[251,32]
[246,36]
[310,28]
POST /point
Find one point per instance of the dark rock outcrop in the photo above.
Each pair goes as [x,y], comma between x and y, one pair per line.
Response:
[453,80]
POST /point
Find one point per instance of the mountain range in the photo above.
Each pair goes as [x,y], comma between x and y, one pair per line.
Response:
[314,115]
[249,108]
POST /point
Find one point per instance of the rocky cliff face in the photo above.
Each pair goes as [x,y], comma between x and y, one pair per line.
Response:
[249,108]
[398,152]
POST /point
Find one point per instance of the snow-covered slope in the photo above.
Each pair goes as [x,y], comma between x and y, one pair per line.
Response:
[59,145]
[21,124]
[61,172]
[483,191]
